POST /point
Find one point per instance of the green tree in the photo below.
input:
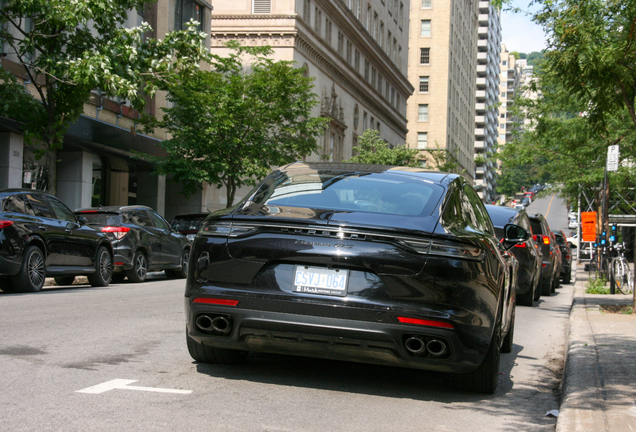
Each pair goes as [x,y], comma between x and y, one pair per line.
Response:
[70,47]
[230,125]
[443,160]
[592,51]
[372,149]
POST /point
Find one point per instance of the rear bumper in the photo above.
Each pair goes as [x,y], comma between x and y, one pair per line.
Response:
[380,339]
[9,266]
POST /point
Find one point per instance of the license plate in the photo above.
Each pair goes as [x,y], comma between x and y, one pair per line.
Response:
[315,280]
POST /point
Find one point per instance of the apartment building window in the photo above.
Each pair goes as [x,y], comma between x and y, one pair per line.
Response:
[380,83]
[503,94]
[505,62]
[366,70]
[368,18]
[399,58]
[307,11]
[425,56]
[422,112]
[364,121]
[357,8]
[375,26]
[424,84]
[261,6]
[317,22]
[184,11]
[426,4]
[388,90]
[425,30]
[381,42]
[373,76]
[340,43]
[328,31]
[349,48]
[503,115]
[390,47]
[401,19]
[422,140]
[356,64]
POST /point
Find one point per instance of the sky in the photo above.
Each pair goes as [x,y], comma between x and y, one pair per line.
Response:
[519,32]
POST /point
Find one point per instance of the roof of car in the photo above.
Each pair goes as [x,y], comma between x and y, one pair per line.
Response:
[501,212]
[16,190]
[185,215]
[436,176]
[113,209]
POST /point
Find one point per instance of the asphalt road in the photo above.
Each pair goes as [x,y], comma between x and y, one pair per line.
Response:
[59,344]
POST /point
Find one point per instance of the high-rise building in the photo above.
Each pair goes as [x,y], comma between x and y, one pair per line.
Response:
[487,113]
[442,68]
[508,89]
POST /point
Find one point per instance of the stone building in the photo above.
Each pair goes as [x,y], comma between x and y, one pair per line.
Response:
[442,69]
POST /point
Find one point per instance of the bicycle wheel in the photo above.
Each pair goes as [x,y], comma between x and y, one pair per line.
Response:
[621,277]
[629,278]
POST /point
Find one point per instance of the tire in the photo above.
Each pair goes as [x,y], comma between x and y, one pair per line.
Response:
[484,378]
[64,280]
[554,284]
[567,277]
[546,288]
[213,355]
[526,299]
[32,274]
[140,268]
[103,269]
[537,290]
[506,346]
[180,274]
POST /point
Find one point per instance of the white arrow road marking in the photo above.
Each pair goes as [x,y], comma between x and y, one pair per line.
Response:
[123,384]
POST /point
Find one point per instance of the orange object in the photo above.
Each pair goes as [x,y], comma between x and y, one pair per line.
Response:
[588,226]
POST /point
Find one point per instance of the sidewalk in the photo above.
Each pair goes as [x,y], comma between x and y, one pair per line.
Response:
[599,381]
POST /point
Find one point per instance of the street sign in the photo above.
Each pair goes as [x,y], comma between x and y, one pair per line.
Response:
[588,226]
[612,157]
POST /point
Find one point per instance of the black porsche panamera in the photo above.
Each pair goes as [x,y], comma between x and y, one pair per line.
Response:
[386,265]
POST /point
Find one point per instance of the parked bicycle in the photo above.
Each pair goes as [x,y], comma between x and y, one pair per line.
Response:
[621,272]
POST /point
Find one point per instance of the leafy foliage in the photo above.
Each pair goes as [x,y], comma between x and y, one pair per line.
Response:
[229,126]
[69,47]
[372,149]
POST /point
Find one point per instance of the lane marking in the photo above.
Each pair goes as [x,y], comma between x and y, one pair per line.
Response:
[548,210]
[123,384]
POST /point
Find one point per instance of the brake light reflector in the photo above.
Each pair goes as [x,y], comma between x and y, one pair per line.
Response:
[5,223]
[118,231]
[216,301]
[430,323]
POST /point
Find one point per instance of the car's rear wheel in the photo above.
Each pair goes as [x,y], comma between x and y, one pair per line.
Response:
[32,274]
[140,268]
[567,277]
[537,289]
[185,257]
[484,378]
[103,269]
[526,299]
[64,280]
[208,354]
[546,287]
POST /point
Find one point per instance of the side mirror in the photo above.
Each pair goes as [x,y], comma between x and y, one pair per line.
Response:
[514,234]
[572,245]
[82,220]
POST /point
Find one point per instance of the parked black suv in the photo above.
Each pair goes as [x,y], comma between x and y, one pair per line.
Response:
[142,241]
[551,253]
[566,253]
[527,253]
[40,237]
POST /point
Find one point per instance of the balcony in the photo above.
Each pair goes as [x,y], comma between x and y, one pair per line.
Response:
[483,19]
[479,132]
[480,119]
[479,145]
[481,81]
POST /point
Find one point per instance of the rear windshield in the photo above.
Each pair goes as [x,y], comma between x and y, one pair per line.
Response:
[351,191]
[187,223]
[536,226]
[501,218]
[102,219]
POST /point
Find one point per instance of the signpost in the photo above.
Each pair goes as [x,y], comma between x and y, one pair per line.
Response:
[612,158]
[588,226]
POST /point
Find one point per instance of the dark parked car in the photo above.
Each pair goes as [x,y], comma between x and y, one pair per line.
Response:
[142,241]
[387,265]
[550,252]
[527,253]
[41,237]
[188,224]
[566,255]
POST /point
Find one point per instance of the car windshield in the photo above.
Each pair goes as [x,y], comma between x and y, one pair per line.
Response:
[187,223]
[501,218]
[102,219]
[351,191]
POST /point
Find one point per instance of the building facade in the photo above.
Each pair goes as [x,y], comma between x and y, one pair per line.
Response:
[99,162]
[508,89]
[442,69]
[487,98]
[355,50]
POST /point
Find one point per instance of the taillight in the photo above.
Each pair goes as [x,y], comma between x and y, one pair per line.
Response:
[118,231]
[567,257]
[546,240]
[521,245]
[430,323]
[216,301]
[224,229]
[456,250]
[5,223]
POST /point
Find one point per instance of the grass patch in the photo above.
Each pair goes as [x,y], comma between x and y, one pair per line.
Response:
[597,286]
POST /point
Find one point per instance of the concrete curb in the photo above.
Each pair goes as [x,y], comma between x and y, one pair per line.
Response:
[582,394]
